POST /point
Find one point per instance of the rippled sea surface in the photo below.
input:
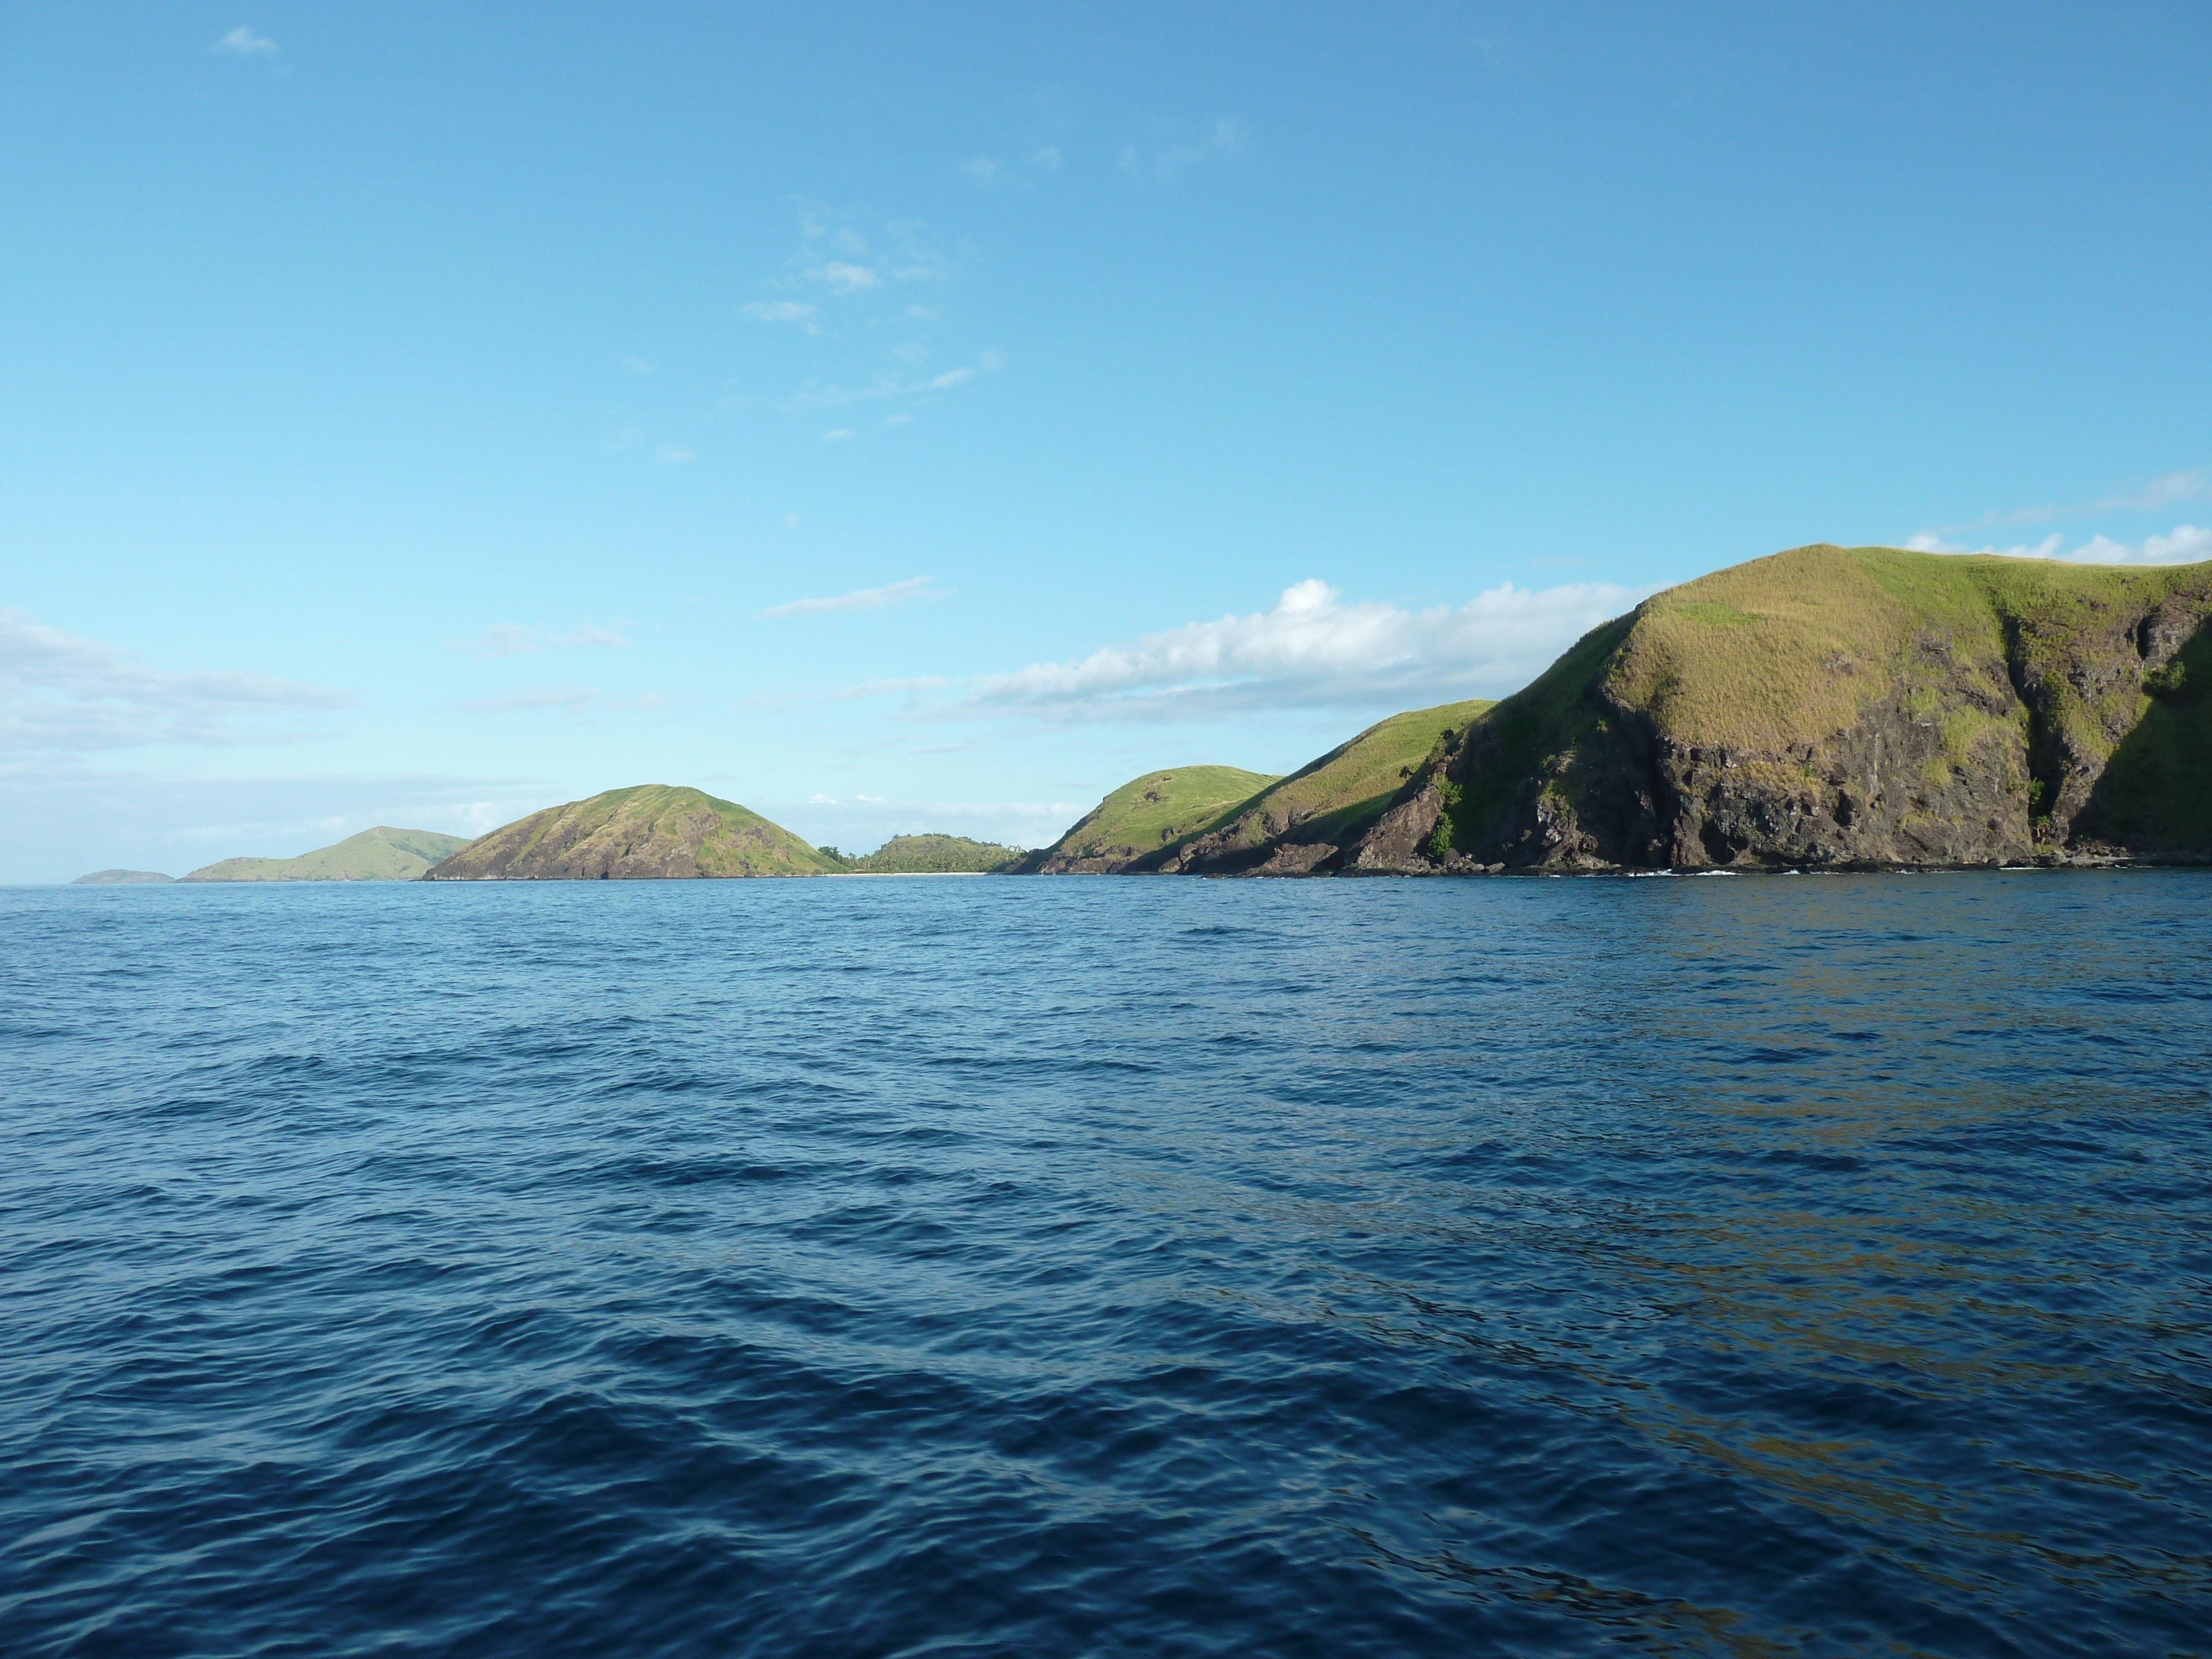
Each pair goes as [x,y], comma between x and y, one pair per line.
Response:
[1745,1267]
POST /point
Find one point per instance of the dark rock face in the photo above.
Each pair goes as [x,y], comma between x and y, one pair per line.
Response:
[1971,757]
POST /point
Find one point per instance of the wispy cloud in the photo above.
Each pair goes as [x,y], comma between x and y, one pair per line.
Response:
[59,692]
[838,435]
[846,278]
[892,687]
[779,311]
[2187,544]
[894,385]
[912,589]
[2193,484]
[245,42]
[989,362]
[2188,484]
[558,696]
[514,640]
[990,173]
[1310,650]
[1167,152]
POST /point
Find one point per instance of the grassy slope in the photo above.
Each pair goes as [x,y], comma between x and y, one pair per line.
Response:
[1146,814]
[383,854]
[747,844]
[908,855]
[123,878]
[1783,649]
[1330,799]
[1741,658]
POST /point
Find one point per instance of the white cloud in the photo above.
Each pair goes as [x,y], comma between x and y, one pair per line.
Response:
[59,692]
[898,420]
[847,278]
[821,800]
[2163,491]
[866,598]
[2186,545]
[1312,650]
[779,311]
[512,640]
[1165,156]
[244,41]
[2192,483]
[988,173]
[874,800]
[892,687]
[839,435]
[989,362]
[558,696]
[635,365]
[675,455]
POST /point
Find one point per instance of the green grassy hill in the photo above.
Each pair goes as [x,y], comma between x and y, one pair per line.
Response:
[1299,823]
[1144,816]
[914,855]
[124,878]
[1842,706]
[646,832]
[383,854]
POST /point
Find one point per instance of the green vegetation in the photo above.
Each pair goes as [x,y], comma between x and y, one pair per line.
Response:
[123,878]
[1146,814]
[1332,799]
[2026,676]
[647,831]
[1525,737]
[915,855]
[379,854]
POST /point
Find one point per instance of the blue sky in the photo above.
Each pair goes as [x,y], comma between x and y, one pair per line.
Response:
[903,418]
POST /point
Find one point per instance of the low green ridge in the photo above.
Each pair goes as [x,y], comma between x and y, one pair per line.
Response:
[124,878]
[382,853]
[932,854]
[1144,816]
[1328,800]
[648,831]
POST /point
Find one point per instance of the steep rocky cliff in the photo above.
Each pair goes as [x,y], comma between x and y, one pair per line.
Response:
[1300,824]
[1862,706]
[648,832]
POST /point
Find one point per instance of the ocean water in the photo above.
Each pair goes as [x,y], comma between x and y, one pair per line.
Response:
[1750,1267]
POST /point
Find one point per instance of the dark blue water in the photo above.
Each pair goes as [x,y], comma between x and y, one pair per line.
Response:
[1743,1267]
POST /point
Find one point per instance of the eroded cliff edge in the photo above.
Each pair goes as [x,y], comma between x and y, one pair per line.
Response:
[1864,707]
